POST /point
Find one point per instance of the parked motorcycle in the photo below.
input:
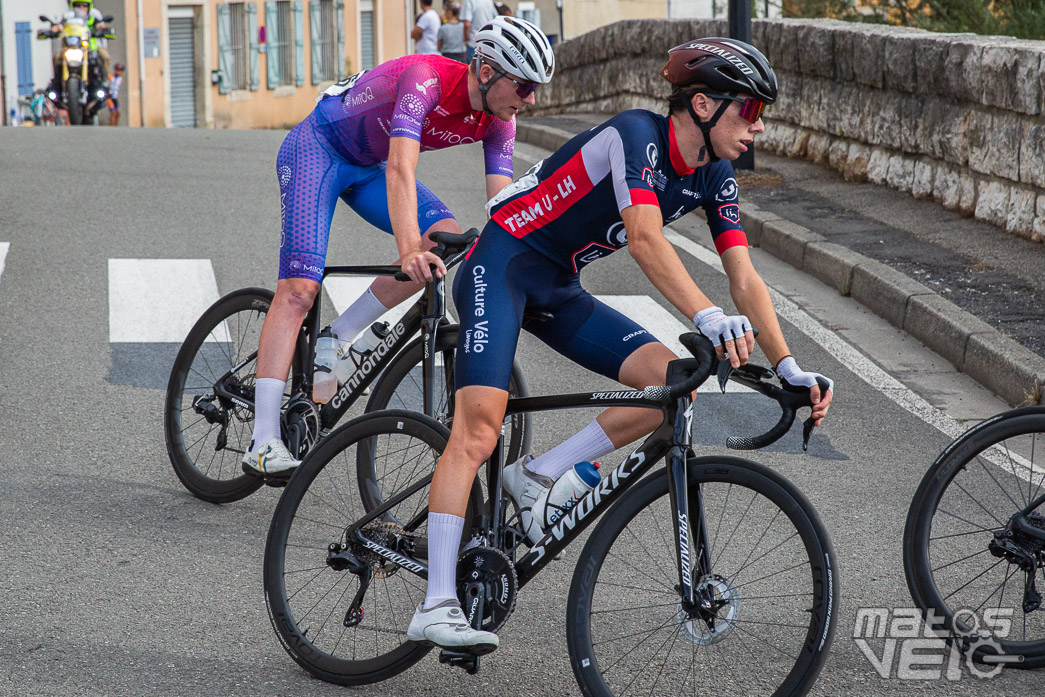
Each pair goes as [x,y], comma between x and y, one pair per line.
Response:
[82,90]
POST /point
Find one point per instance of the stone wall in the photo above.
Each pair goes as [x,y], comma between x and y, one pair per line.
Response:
[957,118]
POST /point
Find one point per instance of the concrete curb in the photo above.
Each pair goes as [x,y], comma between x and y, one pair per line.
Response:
[999,363]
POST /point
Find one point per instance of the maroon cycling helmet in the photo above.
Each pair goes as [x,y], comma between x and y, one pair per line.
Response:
[723,65]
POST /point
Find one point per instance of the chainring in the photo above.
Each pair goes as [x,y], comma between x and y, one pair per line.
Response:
[492,571]
[300,422]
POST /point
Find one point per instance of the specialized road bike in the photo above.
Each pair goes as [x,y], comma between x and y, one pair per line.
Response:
[974,544]
[209,409]
[712,575]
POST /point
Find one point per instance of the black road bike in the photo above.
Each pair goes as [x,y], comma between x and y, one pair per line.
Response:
[209,411]
[974,544]
[713,575]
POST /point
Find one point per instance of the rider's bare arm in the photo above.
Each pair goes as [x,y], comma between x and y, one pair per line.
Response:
[403,154]
[494,184]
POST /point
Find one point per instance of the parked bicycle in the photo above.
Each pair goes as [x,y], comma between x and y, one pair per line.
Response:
[713,574]
[209,409]
[974,543]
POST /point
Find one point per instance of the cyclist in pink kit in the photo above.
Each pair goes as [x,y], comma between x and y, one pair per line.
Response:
[361,144]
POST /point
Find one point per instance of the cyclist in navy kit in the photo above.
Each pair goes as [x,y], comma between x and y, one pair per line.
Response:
[613,186]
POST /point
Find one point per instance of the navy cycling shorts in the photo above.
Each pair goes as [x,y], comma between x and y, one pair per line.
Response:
[312,176]
[500,279]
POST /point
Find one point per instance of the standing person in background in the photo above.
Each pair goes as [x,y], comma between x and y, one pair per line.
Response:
[475,14]
[451,34]
[426,30]
[115,81]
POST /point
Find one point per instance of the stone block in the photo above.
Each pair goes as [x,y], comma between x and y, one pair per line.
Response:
[978,135]
[888,122]
[898,62]
[845,48]
[800,145]
[753,218]
[885,291]
[1011,72]
[868,59]
[789,98]
[901,172]
[787,241]
[848,99]
[817,57]
[838,154]
[940,131]
[945,187]
[878,165]
[942,326]
[968,187]
[992,202]
[818,148]
[1020,219]
[1011,371]
[810,112]
[922,182]
[831,264]
[856,166]
[912,113]
[1032,153]
[930,57]
[963,72]
[787,47]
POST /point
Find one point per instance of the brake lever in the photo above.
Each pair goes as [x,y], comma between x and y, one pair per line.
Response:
[807,430]
[724,372]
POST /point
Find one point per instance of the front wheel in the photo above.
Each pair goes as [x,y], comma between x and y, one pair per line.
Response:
[73,88]
[966,557]
[208,416]
[314,567]
[772,588]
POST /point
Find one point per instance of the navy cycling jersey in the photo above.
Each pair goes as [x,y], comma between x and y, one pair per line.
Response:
[568,206]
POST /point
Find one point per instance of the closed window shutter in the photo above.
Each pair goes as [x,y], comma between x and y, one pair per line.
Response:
[255,46]
[24,52]
[315,31]
[341,74]
[299,42]
[272,39]
[225,57]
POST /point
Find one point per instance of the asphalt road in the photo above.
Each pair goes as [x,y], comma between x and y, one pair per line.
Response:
[115,581]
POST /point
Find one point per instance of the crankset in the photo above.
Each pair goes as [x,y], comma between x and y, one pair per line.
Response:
[487,587]
[300,423]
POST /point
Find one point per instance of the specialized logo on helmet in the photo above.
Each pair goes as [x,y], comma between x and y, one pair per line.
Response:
[722,53]
[728,192]
[651,154]
[284,175]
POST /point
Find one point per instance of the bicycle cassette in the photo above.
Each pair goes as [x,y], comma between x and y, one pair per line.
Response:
[487,585]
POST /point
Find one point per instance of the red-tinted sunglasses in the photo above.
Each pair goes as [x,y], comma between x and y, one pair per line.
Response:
[750,109]
[523,88]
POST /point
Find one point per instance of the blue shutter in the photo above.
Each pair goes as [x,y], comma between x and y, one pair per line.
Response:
[225,56]
[315,32]
[24,53]
[272,39]
[340,5]
[299,42]
[255,47]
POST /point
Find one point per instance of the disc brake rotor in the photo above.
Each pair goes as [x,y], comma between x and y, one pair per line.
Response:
[724,601]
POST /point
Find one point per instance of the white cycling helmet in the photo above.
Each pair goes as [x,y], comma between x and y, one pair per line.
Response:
[517,46]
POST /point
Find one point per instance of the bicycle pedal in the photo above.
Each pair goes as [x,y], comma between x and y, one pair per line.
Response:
[468,662]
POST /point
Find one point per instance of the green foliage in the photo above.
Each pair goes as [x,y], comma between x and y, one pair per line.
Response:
[1024,19]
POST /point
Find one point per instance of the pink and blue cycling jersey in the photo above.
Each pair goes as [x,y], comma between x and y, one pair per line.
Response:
[341,148]
[422,97]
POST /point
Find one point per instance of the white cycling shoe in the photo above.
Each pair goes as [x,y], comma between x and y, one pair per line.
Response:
[526,488]
[269,458]
[445,626]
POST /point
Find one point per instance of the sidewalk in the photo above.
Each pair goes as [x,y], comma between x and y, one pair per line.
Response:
[971,292]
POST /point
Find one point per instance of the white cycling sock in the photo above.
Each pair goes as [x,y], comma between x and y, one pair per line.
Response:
[444,539]
[361,314]
[586,445]
[268,398]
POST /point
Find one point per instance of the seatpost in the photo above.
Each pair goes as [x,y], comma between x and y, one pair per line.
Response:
[435,308]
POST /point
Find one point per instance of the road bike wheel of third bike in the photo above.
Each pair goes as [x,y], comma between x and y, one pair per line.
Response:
[209,415]
[974,543]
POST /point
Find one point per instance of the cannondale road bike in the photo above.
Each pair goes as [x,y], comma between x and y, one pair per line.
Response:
[974,544]
[712,575]
[209,410]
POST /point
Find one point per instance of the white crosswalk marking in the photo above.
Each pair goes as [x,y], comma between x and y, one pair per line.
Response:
[343,291]
[158,300]
[4,246]
[657,320]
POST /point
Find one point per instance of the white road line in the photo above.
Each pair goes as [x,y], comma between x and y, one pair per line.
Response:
[4,246]
[657,320]
[343,291]
[158,300]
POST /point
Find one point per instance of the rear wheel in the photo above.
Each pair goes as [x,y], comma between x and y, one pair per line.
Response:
[208,415]
[772,594]
[310,594]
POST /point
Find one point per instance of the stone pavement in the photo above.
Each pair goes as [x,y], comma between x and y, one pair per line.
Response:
[969,291]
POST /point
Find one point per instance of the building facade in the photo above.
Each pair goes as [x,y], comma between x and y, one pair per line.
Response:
[256,64]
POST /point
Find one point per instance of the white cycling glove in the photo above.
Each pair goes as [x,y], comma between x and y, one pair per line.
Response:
[719,327]
[789,371]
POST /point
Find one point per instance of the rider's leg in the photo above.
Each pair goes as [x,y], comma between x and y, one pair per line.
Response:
[369,198]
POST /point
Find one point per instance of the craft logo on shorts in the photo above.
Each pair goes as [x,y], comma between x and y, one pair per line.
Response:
[730,212]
